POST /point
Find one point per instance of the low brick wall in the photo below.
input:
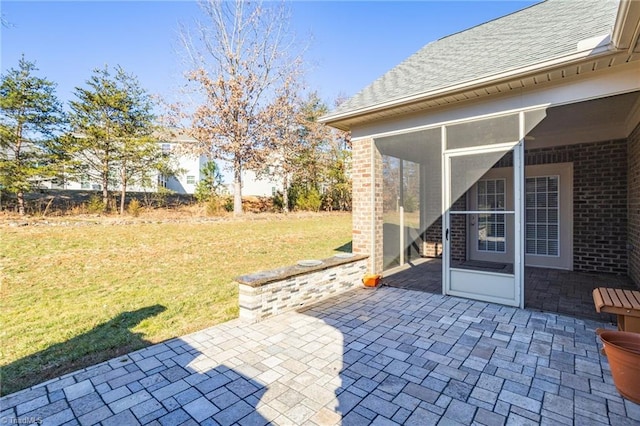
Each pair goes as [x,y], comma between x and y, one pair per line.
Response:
[269,293]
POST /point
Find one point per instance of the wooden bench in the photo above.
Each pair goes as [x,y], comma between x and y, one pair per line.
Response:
[624,303]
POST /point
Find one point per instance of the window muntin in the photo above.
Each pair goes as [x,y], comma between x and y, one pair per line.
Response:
[491,226]
[542,216]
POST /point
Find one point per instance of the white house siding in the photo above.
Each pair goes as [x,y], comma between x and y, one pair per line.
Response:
[252,185]
[190,166]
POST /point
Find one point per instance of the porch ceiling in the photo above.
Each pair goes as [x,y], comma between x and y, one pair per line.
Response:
[609,118]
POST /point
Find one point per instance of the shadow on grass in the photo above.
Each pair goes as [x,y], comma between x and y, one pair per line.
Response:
[345,248]
[103,342]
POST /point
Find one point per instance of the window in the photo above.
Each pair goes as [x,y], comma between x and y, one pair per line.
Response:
[491,226]
[84,182]
[542,216]
[191,180]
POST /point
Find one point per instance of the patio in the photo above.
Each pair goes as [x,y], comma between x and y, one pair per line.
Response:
[384,356]
[546,290]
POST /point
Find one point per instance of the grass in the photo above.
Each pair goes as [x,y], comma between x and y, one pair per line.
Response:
[72,296]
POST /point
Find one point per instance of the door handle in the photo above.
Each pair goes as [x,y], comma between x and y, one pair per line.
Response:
[446,234]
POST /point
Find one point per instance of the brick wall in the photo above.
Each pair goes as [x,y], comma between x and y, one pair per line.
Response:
[433,239]
[633,203]
[599,202]
[361,210]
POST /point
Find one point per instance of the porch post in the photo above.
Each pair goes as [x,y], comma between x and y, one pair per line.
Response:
[367,202]
[518,208]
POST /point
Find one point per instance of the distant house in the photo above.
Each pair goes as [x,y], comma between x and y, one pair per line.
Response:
[513,143]
[189,165]
[189,168]
[258,185]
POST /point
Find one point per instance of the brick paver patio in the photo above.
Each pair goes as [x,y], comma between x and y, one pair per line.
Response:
[547,290]
[384,356]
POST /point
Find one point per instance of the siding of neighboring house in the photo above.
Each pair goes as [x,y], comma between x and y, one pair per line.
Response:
[633,178]
[253,185]
[185,182]
[191,173]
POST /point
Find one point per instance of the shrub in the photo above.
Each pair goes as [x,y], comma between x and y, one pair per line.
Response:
[310,200]
[134,208]
[213,207]
[95,204]
[227,204]
[202,193]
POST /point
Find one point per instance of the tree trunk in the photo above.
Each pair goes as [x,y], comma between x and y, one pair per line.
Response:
[21,209]
[237,188]
[123,192]
[105,191]
[285,194]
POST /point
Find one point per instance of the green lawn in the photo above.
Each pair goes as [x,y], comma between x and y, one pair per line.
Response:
[72,296]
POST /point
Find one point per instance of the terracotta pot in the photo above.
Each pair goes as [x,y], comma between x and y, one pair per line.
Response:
[623,352]
[371,280]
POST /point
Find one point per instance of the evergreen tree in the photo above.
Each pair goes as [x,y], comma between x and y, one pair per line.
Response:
[113,122]
[30,116]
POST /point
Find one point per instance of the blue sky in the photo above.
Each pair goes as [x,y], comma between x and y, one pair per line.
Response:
[353,43]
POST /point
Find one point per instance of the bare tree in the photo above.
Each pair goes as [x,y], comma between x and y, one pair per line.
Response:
[284,138]
[239,57]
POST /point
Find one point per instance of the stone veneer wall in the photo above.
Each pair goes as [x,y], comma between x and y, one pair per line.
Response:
[269,293]
[633,204]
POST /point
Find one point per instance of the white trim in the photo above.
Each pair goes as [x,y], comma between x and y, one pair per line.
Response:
[484,149]
[483,211]
[518,204]
[452,122]
[445,202]
[487,280]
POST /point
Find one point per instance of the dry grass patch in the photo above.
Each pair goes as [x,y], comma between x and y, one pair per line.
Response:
[76,295]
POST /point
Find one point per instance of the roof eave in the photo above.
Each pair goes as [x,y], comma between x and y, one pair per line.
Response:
[338,120]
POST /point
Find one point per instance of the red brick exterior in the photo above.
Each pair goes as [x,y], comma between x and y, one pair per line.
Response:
[599,202]
[362,214]
[633,202]
[606,204]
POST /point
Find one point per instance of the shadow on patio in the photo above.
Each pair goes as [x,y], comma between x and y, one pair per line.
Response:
[546,290]
[383,356]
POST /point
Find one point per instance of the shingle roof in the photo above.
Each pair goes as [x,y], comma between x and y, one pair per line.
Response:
[541,32]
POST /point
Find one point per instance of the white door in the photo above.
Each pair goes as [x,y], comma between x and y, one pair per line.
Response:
[463,169]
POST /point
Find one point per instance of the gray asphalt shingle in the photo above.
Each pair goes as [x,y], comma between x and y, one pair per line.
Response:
[539,33]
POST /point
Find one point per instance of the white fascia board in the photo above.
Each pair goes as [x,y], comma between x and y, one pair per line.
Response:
[615,81]
[593,53]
